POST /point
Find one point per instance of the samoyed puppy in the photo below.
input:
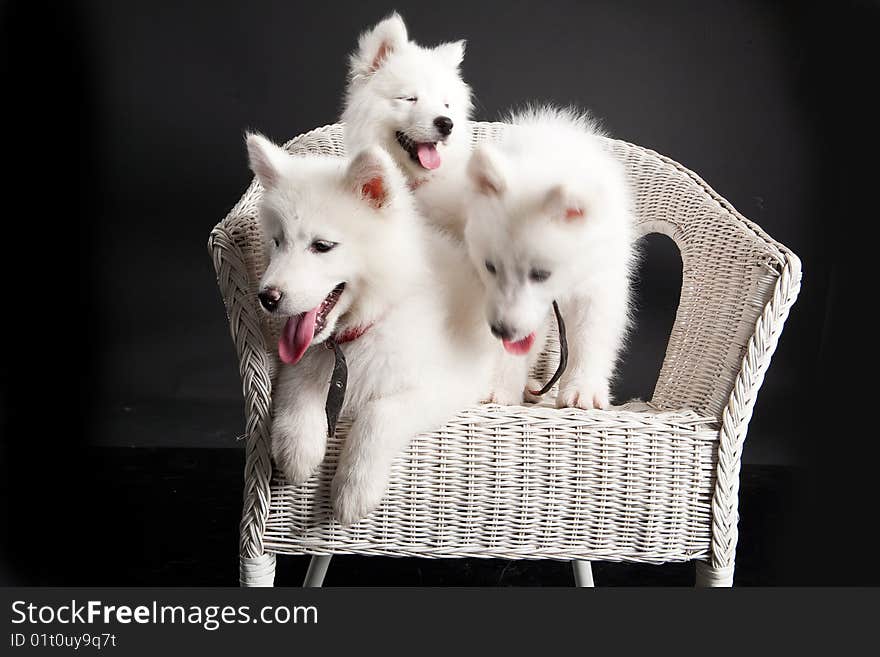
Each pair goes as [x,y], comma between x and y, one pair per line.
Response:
[350,258]
[550,218]
[413,102]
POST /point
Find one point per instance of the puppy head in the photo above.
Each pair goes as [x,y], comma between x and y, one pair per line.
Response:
[320,217]
[409,99]
[522,235]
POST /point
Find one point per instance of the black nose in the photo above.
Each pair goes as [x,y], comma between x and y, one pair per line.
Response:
[269,298]
[501,331]
[444,125]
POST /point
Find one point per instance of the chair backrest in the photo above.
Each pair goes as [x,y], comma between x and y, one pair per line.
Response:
[730,267]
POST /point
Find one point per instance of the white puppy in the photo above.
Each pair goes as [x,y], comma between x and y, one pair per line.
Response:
[412,102]
[351,258]
[550,218]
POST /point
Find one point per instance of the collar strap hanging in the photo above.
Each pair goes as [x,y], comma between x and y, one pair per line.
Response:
[338,381]
[339,377]
[563,354]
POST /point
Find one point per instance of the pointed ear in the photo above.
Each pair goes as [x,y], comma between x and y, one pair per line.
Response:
[266,159]
[486,171]
[560,203]
[376,44]
[452,53]
[373,177]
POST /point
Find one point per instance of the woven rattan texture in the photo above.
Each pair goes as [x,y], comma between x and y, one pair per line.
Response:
[652,483]
[525,483]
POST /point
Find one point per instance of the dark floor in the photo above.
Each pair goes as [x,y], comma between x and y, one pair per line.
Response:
[169,517]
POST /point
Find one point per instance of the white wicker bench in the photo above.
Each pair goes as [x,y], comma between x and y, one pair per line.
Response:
[655,482]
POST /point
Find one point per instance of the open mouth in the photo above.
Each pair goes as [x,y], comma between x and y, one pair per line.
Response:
[300,330]
[423,152]
[519,347]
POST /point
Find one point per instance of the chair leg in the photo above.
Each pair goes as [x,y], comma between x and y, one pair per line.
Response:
[257,571]
[316,572]
[583,573]
[714,576]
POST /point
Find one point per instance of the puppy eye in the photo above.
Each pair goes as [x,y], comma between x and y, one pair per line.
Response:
[539,275]
[490,267]
[446,105]
[409,99]
[322,246]
[276,242]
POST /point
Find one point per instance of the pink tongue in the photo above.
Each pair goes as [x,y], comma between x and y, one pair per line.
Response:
[428,156]
[519,347]
[297,336]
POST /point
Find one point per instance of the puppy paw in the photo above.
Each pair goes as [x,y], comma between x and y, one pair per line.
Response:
[504,397]
[298,451]
[528,396]
[578,393]
[355,495]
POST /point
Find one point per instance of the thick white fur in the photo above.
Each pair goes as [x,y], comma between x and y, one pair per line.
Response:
[549,197]
[386,70]
[427,354]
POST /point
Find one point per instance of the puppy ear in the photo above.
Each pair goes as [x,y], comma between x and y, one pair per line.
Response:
[373,177]
[452,53]
[486,171]
[561,204]
[266,159]
[376,44]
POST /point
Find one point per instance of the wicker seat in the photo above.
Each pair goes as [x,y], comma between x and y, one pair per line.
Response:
[652,482]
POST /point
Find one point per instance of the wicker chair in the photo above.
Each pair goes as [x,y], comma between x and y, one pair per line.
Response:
[656,482]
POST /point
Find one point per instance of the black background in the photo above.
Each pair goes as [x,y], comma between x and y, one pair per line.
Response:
[124,143]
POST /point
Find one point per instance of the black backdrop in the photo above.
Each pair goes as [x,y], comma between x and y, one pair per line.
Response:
[125,133]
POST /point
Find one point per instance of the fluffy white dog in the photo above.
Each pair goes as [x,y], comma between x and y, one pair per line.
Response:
[550,218]
[351,258]
[412,102]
